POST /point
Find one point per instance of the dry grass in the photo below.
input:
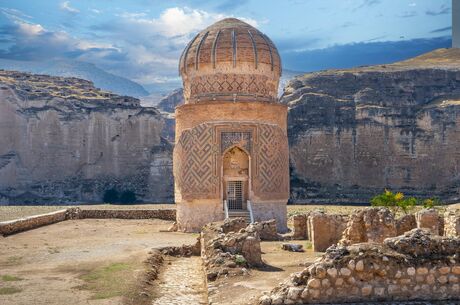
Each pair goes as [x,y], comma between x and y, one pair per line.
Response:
[15,211]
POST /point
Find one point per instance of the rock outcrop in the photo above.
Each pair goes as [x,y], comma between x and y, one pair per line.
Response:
[63,140]
[354,132]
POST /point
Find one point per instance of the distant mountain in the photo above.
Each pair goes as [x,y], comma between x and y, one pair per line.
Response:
[70,68]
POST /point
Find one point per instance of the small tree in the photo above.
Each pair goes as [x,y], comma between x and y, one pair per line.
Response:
[394,201]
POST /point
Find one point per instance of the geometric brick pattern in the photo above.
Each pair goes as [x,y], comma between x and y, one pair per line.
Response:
[195,163]
[239,138]
[199,151]
[229,84]
[273,162]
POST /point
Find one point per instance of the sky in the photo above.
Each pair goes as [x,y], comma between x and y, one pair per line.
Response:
[143,39]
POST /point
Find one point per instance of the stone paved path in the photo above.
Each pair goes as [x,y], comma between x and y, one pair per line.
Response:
[181,283]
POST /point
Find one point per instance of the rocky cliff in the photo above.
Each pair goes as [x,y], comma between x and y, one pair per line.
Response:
[62,140]
[354,132]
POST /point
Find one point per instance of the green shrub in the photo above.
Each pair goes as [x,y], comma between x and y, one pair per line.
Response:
[394,201]
[240,260]
[430,203]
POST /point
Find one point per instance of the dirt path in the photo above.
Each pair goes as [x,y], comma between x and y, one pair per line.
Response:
[181,282]
[79,262]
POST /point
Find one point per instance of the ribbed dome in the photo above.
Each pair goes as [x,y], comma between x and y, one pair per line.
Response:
[230,60]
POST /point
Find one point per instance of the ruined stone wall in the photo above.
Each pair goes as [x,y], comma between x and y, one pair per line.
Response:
[165,214]
[325,230]
[416,266]
[354,132]
[36,221]
[452,223]
[62,140]
[32,222]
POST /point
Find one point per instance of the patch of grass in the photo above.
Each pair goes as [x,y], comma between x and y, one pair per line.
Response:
[11,261]
[10,278]
[109,281]
[9,290]
[308,245]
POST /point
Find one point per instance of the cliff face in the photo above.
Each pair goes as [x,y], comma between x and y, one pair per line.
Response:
[354,132]
[62,140]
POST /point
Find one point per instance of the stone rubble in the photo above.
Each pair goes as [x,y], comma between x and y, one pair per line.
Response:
[292,247]
[228,249]
[416,266]
[452,223]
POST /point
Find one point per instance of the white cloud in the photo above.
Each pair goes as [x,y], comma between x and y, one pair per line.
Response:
[177,21]
[29,29]
[65,6]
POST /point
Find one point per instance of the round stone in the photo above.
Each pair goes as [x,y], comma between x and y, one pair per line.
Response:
[359,266]
[411,271]
[265,300]
[422,270]
[313,283]
[339,282]
[456,269]
[345,271]
[442,279]
[332,272]
[366,290]
[444,270]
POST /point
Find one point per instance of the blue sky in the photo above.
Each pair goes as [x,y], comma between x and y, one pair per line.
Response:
[142,39]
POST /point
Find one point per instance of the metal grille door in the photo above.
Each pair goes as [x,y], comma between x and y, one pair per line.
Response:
[235,195]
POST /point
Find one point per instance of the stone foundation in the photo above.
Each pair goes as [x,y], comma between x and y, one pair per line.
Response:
[416,266]
[325,230]
[165,214]
[192,216]
[32,222]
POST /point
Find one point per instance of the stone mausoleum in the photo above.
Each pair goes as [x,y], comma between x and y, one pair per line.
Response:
[231,140]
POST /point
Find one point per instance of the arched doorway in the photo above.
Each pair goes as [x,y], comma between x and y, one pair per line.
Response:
[236,178]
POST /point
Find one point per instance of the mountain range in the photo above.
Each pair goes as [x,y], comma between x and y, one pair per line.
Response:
[72,68]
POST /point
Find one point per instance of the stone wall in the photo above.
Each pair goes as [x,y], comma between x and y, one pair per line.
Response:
[165,214]
[405,223]
[452,223]
[299,226]
[325,230]
[416,266]
[32,222]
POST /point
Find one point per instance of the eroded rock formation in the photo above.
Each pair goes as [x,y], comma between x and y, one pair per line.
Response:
[354,132]
[63,140]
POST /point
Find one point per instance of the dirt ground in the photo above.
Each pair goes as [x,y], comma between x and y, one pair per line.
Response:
[79,262]
[245,289]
